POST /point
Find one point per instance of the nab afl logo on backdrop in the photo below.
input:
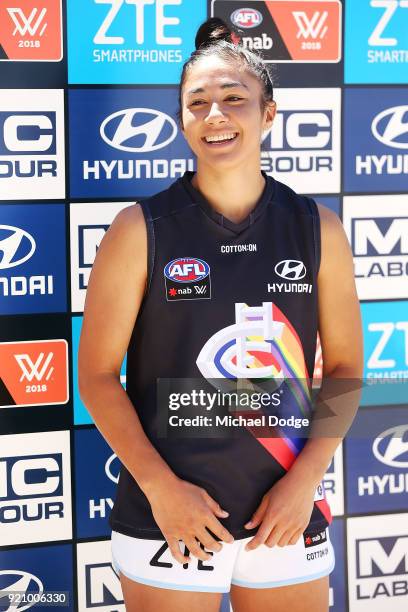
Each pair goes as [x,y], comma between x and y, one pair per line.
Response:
[187,278]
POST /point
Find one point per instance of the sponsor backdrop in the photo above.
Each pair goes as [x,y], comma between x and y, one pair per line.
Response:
[88,124]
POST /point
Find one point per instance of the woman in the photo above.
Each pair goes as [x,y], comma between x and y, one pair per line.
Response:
[228,273]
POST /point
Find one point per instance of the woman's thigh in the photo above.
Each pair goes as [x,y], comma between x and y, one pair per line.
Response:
[311,595]
[144,598]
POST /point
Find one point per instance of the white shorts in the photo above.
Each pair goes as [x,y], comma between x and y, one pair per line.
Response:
[151,562]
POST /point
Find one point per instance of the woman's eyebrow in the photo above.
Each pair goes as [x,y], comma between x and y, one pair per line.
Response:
[223,86]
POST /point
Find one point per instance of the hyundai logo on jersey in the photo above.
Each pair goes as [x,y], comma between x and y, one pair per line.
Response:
[376,140]
[194,276]
[129,142]
[32,259]
[290,269]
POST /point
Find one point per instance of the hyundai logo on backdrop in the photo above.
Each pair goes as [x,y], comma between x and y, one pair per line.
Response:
[377,556]
[97,474]
[129,143]
[29,573]
[32,259]
[377,228]
[131,41]
[377,50]
[35,488]
[32,144]
[302,149]
[148,135]
[380,482]
[376,139]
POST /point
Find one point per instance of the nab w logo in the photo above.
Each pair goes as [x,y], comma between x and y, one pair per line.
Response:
[40,369]
[314,27]
[34,24]
[200,290]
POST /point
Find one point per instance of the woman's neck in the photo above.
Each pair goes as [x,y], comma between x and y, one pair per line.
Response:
[233,193]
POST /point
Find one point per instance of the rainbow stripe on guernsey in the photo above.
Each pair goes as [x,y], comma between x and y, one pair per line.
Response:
[261,345]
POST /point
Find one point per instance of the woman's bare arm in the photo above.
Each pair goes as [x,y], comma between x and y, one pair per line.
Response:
[341,338]
[182,510]
[115,292]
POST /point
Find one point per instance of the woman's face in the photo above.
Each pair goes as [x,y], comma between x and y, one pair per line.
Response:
[223,100]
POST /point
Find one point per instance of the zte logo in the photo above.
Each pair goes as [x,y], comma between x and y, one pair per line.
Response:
[314,27]
[40,370]
[138,130]
[387,331]
[26,133]
[390,7]
[164,23]
[34,24]
[387,556]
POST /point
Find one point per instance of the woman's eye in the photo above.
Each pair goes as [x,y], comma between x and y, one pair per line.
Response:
[234,98]
[197,102]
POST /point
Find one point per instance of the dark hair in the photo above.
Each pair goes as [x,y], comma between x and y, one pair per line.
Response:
[214,37]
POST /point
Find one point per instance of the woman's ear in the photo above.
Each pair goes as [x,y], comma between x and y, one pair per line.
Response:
[269,115]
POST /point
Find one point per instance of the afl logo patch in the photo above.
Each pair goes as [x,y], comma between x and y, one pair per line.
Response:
[187,278]
[290,269]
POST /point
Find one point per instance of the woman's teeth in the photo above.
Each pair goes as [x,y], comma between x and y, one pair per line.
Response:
[221,137]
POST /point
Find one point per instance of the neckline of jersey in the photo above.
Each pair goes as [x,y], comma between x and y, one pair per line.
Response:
[260,206]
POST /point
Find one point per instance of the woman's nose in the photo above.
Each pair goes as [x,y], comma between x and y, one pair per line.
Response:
[215,114]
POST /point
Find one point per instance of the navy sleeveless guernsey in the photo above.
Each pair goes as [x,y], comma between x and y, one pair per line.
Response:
[224,300]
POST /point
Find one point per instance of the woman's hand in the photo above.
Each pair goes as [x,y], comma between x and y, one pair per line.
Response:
[183,510]
[283,513]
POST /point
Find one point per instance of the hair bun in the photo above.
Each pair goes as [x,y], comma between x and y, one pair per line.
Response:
[211,31]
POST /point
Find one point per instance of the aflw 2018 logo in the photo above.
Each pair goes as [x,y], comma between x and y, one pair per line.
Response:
[34,373]
[31,31]
[187,278]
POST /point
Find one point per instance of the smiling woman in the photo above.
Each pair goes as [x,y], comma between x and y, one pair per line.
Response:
[222,280]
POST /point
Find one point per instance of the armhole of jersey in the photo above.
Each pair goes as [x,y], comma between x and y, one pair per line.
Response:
[316,232]
[150,246]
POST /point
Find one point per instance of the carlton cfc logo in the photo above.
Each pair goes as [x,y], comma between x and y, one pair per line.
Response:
[186,270]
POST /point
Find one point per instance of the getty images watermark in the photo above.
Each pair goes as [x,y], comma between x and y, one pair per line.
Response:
[290,407]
